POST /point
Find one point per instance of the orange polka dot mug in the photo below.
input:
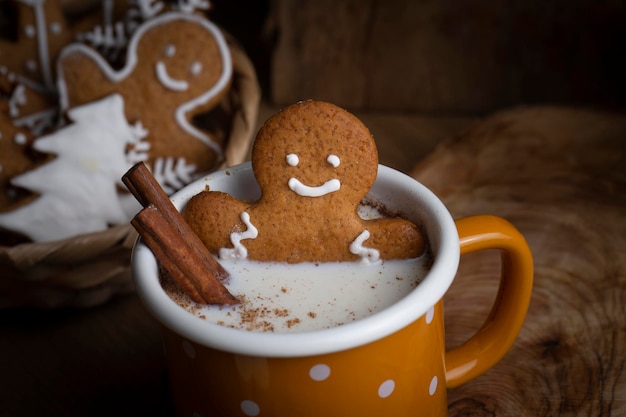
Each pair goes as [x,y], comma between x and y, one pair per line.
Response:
[393,362]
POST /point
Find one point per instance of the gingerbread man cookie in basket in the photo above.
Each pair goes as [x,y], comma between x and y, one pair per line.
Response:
[164,84]
[314,163]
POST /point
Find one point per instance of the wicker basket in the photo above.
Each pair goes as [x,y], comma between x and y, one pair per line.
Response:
[87,270]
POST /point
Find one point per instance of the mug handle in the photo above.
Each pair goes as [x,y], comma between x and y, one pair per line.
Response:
[499,331]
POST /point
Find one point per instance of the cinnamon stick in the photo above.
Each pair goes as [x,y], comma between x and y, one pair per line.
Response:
[191,273]
[173,243]
[142,184]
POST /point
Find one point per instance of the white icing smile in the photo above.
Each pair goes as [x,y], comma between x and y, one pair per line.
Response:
[303,190]
[167,81]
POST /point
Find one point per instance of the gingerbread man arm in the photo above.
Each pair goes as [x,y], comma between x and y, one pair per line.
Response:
[213,216]
[395,238]
[81,70]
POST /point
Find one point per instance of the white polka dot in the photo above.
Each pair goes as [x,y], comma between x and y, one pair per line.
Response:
[319,372]
[433,385]
[430,313]
[250,408]
[189,349]
[386,388]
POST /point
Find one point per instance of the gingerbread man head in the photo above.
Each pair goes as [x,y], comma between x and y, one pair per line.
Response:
[315,151]
[314,162]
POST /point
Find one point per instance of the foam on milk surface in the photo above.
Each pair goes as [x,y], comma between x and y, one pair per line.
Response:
[283,297]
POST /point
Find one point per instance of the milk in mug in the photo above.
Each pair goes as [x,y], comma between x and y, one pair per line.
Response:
[282,297]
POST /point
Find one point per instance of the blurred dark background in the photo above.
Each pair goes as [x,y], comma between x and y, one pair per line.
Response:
[434,56]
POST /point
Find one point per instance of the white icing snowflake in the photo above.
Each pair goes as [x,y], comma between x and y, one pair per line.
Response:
[149,8]
[110,40]
[38,122]
[190,6]
[172,174]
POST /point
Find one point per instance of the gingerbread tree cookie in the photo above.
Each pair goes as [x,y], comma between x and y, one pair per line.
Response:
[314,163]
[78,190]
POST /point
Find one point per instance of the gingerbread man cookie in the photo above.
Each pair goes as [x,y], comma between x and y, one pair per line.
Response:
[314,163]
[41,31]
[15,157]
[177,66]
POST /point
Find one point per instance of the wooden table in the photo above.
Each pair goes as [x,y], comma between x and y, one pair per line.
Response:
[558,174]
[108,360]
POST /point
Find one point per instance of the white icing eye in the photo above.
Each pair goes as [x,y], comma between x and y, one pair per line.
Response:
[170,50]
[195,68]
[292,159]
[333,160]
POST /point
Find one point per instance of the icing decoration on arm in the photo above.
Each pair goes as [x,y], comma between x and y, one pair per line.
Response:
[303,190]
[368,255]
[239,251]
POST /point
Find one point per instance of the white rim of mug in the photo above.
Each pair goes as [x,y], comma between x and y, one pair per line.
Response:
[443,241]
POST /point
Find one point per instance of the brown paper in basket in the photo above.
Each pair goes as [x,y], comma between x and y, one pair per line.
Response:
[89,269]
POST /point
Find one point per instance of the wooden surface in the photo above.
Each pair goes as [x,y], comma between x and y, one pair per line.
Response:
[447,56]
[108,360]
[559,175]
